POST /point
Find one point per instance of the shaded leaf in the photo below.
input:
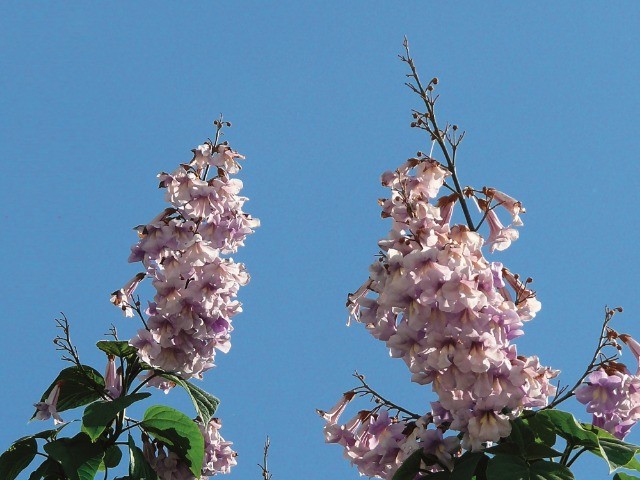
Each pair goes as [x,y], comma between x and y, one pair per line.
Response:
[79,457]
[537,450]
[80,386]
[521,434]
[466,465]
[100,414]
[178,432]
[410,467]
[139,468]
[49,470]
[543,430]
[17,457]
[510,467]
[444,475]
[506,448]
[112,456]
[624,476]
[507,467]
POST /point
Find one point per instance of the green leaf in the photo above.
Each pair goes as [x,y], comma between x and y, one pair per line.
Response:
[204,403]
[79,457]
[507,467]
[445,475]
[48,434]
[410,468]
[139,468]
[634,464]
[550,471]
[80,386]
[17,458]
[49,470]
[466,465]
[112,456]
[616,452]
[521,434]
[543,429]
[178,432]
[506,448]
[117,348]
[99,415]
[510,467]
[536,451]
[624,476]
[565,425]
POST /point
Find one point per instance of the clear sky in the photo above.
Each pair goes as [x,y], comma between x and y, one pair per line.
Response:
[97,99]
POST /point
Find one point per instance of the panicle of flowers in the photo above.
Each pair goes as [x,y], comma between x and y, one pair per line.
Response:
[378,443]
[612,393]
[181,250]
[449,313]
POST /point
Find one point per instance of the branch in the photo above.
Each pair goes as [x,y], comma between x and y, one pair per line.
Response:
[437,134]
[218,124]
[63,343]
[603,341]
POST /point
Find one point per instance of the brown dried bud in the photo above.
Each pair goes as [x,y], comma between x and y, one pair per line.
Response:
[434,80]
[455,127]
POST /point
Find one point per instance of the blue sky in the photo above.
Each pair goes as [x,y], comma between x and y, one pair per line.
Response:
[98,99]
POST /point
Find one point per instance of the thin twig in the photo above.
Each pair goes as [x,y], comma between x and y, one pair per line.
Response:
[266,475]
[365,389]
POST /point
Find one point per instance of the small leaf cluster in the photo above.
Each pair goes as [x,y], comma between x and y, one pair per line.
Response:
[105,430]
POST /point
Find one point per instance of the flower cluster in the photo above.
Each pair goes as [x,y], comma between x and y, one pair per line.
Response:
[378,444]
[612,394]
[180,249]
[449,313]
[218,456]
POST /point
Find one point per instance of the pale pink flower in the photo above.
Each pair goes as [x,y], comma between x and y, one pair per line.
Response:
[513,206]
[123,298]
[47,409]
[113,378]
[500,237]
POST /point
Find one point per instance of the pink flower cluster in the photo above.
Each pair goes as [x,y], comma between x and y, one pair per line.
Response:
[449,313]
[218,456]
[378,444]
[190,316]
[612,394]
